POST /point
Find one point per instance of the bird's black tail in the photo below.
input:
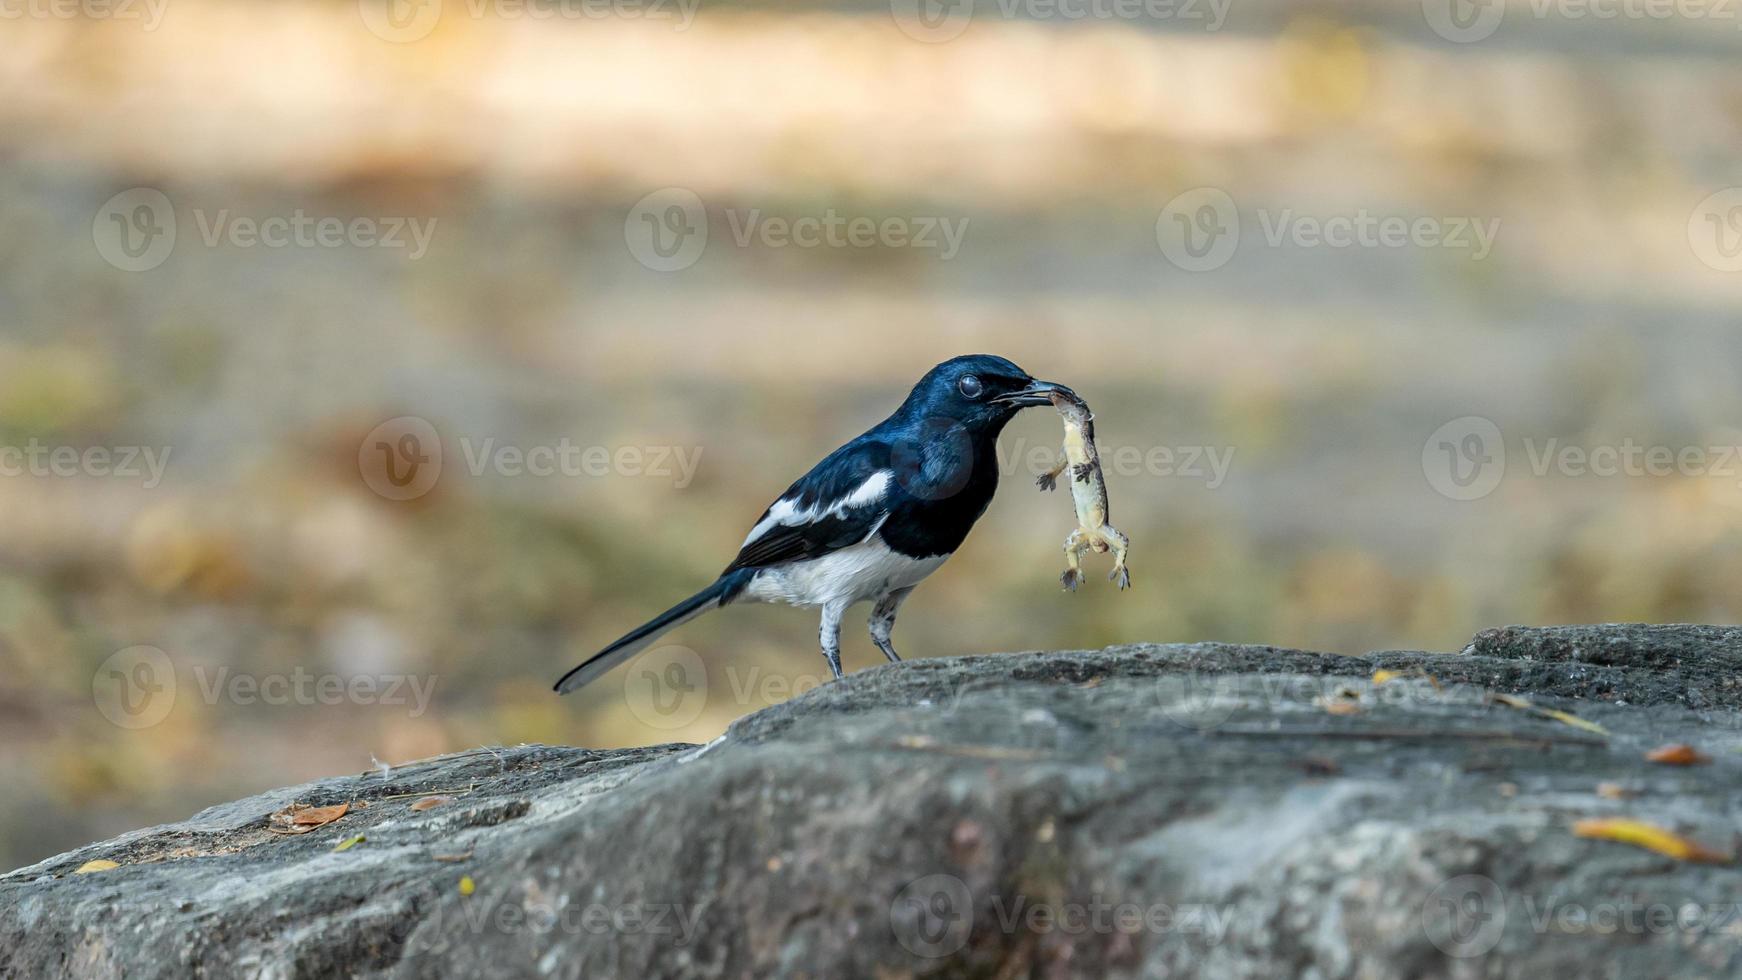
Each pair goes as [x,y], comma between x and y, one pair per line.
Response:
[724,590]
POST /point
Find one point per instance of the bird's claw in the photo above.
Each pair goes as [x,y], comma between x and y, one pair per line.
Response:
[1070,579]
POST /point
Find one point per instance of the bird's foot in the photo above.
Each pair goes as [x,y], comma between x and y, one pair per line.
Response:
[1122,575]
[1070,579]
[1047,481]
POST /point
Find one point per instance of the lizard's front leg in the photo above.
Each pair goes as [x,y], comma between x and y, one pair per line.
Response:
[1050,479]
[1121,544]
[1074,546]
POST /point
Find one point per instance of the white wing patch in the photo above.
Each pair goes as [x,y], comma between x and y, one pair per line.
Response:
[787,513]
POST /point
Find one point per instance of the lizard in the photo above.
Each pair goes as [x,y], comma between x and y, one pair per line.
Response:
[1088,492]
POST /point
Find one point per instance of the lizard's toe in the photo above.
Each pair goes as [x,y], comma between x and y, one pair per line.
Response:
[1123,576]
[1070,579]
[1046,481]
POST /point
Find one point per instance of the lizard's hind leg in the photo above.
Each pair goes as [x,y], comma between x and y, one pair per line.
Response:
[1074,546]
[1121,544]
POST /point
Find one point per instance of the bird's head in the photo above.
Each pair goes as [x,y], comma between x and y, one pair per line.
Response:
[979,391]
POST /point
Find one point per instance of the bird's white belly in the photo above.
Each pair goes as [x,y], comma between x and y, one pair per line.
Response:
[853,574]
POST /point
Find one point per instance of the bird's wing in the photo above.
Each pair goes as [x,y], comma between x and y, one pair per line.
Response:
[842,501]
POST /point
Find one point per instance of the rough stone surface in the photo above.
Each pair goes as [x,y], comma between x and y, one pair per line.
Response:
[1142,810]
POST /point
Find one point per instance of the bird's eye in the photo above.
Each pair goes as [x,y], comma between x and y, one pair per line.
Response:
[969,386]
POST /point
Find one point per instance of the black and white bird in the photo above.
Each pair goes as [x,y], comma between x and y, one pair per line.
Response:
[871,520]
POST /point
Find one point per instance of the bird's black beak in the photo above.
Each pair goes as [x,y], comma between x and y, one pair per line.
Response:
[1036,393]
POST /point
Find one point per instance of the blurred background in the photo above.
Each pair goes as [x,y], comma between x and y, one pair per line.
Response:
[365,366]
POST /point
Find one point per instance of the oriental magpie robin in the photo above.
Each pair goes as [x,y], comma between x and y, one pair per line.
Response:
[873,518]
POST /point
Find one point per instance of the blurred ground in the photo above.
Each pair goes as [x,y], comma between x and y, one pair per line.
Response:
[535,310]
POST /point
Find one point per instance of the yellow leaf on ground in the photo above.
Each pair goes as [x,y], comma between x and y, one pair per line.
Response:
[1565,718]
[100,864]
[466,885]
[1650,837]
[349,843]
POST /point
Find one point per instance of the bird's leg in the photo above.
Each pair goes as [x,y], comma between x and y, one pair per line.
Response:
[883,621]
[829,634]
[1074,546]
[1120,544]
[1050,478]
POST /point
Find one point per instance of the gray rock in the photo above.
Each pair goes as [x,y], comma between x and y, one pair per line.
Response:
[1137,811]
